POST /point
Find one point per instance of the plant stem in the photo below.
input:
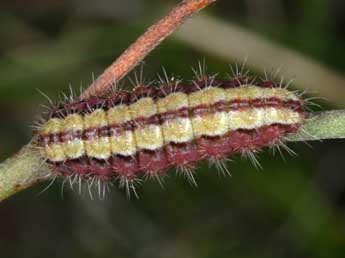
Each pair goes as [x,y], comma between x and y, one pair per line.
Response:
[143,46]
[234,43]
[25,168]
[322,125]
[21,171]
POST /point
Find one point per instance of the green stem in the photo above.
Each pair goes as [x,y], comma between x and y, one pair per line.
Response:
[322,125]
[26,168]
[21,171]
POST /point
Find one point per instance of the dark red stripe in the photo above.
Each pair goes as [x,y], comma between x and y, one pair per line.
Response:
[126,97]
[183,154]
[160,118]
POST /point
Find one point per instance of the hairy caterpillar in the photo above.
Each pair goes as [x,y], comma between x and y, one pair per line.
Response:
[147,131]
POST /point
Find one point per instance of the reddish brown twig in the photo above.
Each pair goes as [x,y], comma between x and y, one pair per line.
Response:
[144,45]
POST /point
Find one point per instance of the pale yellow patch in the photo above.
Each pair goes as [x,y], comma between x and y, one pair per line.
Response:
[206,96]
[96,119]
[210,124]
[74,149]
[243,92]
[55,153]
[282,116]
[254,118]
[246,119]
[144,107]
[149,137]
[172,102]
[280,93]
[99,148]
[177,130]
[118,114]
[52,126]
[73,122]
[250,92]
[123,144]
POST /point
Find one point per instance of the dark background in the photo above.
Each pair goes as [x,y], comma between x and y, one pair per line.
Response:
[292,208]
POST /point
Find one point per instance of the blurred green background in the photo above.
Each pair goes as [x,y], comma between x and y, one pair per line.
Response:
[292,208]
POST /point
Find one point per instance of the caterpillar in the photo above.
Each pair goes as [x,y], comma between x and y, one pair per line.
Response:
[147,131]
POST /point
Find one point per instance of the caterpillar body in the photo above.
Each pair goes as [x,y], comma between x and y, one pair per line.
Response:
[147,131]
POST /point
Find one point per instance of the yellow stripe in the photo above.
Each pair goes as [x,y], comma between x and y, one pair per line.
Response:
[73,149]
[123,144]
[177,130]
[211,124]
[282,116]
[144,107]
[98,148]
[206,96]
[258,117]
[52,126]
[255,92]
[180,129]
[172,102]
[96,119]
[149,138]
[55,153]
[118,114]
[246,119]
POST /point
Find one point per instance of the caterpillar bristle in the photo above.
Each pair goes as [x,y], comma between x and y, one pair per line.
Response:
[239,71]
[283,145]
[138,79]
[200,72]
[156,176]
[220,164]
[163,79]
[129,184]
[187,172]
[251,155]
[50,183]
[46,97]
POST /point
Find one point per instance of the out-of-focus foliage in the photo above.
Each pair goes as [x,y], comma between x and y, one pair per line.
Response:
[292,208]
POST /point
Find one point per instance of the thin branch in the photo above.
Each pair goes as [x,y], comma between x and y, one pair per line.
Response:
[144,45]
[26,168]
[231,42]
[21,171]
[322,125]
